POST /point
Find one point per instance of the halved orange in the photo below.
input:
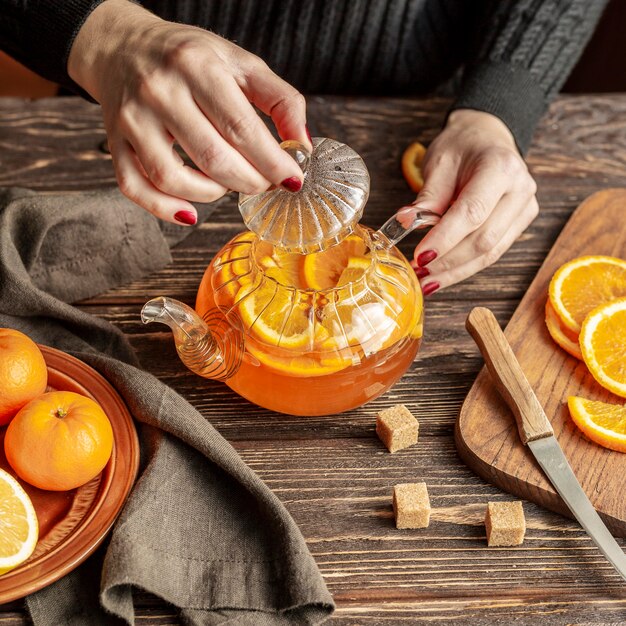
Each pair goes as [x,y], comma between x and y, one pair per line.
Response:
[603,345]
[603,423]
[19,528]
[559,333]
[583,284]
[412,165]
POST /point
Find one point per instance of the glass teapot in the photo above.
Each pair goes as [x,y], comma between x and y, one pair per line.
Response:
[308,312]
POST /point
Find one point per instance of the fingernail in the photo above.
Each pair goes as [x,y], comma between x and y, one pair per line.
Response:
[426,257]
[308,134]
[292,184]
[429,288]
[421,272]
[186,217]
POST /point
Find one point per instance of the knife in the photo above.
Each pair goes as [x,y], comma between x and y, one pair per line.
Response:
[536,432]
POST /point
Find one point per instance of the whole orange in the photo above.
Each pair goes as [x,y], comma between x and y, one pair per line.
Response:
[59,441]
[23,373]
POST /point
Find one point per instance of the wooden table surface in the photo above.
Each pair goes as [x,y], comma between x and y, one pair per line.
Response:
[332,473]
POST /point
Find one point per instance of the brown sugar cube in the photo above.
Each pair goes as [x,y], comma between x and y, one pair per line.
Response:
[397,428]
[411,505]
[505,523]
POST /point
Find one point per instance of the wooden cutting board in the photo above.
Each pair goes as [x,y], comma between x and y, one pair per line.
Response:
[486,436]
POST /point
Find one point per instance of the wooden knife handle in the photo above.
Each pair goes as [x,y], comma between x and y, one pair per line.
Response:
[507,375]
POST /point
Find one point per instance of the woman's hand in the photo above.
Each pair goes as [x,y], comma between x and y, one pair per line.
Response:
[161,83]
[476,179]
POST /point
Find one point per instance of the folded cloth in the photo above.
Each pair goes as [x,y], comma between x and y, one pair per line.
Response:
[200,529]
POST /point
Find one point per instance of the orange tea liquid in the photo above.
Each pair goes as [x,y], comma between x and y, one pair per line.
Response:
[330,393]
[283,383]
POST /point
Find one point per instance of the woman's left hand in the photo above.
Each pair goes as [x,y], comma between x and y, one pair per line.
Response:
[476,179]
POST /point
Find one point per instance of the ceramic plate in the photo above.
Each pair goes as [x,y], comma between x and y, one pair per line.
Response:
[72,524]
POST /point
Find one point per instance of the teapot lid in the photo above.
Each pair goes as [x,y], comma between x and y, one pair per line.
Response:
[324,211]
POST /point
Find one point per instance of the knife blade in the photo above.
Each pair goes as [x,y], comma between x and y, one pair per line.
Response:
[536,431]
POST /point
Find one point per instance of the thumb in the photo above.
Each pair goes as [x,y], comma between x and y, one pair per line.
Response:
[439,188]
[278,99]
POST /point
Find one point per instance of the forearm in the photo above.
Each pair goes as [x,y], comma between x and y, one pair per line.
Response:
[525,58]
[40,34]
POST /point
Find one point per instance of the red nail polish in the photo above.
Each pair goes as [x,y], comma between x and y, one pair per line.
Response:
[430,288]
[292,184]
[308,134]
[426,257]
[186,217]
[421,272]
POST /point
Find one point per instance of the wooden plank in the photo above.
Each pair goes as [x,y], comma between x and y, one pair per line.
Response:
[554,610]
[339,493]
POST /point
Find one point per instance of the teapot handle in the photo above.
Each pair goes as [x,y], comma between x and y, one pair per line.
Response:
[403,222]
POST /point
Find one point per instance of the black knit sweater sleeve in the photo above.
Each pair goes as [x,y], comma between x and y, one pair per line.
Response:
[40,33]
[529,48]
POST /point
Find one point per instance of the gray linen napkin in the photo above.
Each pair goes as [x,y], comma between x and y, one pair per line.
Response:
[200,529]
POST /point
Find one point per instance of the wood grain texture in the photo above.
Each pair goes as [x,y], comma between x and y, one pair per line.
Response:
[507,375]
[486,436]
[331,472]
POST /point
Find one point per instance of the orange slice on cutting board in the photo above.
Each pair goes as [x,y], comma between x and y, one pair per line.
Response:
[561,334]
[603,345]
[583,284]
[603,423]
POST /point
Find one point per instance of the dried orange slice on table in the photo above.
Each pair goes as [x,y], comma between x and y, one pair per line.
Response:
[601,422]
[412,159]
[603,345]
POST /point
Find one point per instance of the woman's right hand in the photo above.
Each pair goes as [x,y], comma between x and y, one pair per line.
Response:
[161,83]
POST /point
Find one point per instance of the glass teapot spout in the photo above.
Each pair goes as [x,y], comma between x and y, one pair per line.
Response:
[209,347]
